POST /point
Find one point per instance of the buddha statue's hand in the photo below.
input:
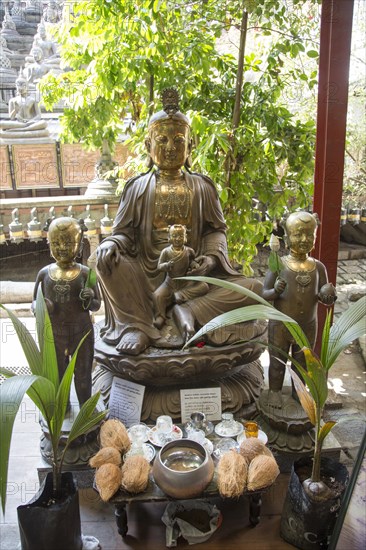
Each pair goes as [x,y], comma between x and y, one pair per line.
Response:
[205,265]
[280,285]
[108,256]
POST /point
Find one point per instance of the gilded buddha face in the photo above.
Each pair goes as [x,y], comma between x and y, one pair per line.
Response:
[64,238]
[301,232]
[169,144]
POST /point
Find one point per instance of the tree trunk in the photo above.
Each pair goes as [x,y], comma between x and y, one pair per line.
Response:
[238,91]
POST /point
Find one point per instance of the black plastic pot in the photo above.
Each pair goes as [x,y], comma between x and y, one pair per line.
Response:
[44,524]
[306,524]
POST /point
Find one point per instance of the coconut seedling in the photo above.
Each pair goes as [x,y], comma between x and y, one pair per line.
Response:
[313,389]
[46,390]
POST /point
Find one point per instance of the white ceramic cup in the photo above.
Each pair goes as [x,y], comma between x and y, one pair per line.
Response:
[164,427]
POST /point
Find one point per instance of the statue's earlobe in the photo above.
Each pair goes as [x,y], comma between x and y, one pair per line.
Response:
[148,161]
[188,162]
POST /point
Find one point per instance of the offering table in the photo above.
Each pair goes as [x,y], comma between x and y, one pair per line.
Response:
[154,494]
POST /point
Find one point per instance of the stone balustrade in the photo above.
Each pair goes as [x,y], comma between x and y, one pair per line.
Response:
[25,219]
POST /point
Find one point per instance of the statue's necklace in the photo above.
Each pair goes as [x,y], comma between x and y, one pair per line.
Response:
[173,198]
[62,278]
[303,270]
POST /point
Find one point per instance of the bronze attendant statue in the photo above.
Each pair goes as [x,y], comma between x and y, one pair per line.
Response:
[295,290]
[70,298]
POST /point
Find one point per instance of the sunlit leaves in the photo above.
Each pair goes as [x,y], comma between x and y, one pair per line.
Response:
[115,47]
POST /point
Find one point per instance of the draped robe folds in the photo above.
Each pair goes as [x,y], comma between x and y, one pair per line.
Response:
[128,289]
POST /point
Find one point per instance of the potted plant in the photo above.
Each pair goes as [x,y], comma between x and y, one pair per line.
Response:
[310,508]
[51,518]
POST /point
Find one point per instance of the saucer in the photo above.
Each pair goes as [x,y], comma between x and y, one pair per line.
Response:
[132,433]
[207,427]
[148,452]
[154,438]
[223,446]
[208,445]
[261,437]
[235,429]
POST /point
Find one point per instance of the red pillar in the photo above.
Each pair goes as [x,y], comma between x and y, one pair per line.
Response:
[335,50]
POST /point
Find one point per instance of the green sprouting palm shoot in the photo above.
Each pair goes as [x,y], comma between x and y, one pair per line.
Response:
[46,390]
[334,339]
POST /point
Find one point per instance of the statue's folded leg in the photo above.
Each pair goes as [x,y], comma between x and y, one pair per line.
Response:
[129,309]
[220,300]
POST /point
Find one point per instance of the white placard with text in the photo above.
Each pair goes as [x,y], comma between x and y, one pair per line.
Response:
[125,402]
[206,400]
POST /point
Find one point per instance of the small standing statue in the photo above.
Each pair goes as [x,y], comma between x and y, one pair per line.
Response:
[176,260]
[70,294]
[295,289]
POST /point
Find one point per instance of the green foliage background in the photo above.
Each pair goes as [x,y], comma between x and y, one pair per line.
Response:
[122,54]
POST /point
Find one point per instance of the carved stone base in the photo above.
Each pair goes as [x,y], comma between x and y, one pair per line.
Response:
[235,369]
[290,418]
[79,451]
[288,428]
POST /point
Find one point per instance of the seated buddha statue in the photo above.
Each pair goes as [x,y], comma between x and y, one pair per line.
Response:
[130,345]
[25,120]
[35,70]
[169,193]
[51,56]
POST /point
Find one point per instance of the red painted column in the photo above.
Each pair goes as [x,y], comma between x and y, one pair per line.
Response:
[335,50]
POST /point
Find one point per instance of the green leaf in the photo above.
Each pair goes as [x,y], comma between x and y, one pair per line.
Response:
[43,395]
[275,264]
[231,286]
[240,315]
[325,337]
[92,279]
[12,392]
[272,262]
[46,340]
[28,344]
[324,430]
[312,53]
[349,326]
[87,418]
[318,374]
[63,393]
[298,334]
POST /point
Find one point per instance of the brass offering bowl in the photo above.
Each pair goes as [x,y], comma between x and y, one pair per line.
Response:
[183,469]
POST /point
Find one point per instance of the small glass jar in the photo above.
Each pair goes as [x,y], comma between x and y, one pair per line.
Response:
[251,429]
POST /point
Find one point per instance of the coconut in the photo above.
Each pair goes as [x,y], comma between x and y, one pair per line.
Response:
[262,472]
[108,480]
[106,455]
[251,447]
[135,474]
[113,433]
[232,474]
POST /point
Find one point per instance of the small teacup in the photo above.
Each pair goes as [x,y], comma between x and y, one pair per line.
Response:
[223,446]
[197,435]
[138,433]
[164,427]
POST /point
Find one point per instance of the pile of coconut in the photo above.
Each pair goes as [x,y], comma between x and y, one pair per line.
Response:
[112,472]
[252,468]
